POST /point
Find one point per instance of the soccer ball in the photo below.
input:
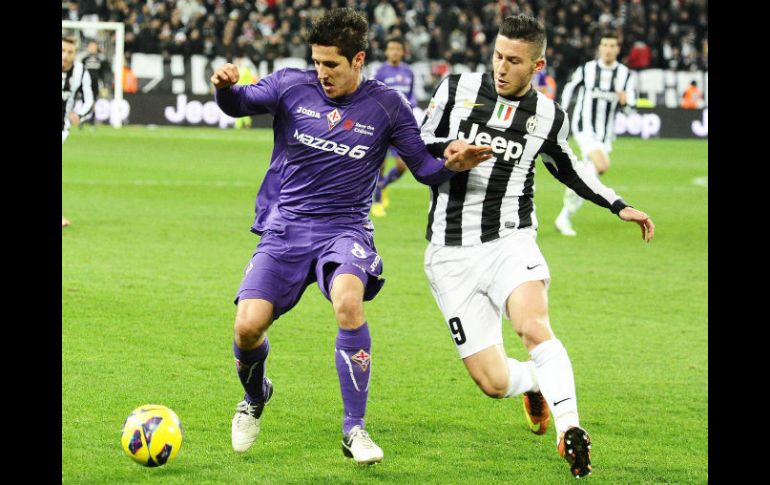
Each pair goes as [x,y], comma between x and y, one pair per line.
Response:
[152,435]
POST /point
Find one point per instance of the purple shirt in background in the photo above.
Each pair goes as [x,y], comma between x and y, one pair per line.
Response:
[400,78]
[327,152]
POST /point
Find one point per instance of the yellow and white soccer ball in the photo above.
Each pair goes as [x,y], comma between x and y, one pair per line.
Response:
[152,435]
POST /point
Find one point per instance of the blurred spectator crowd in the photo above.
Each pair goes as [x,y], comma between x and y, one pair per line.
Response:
[667,34]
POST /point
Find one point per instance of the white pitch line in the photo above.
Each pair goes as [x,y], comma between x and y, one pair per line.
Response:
[701,181]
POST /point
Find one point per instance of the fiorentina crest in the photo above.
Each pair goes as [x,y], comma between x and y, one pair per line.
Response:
[362,359]
[333,118]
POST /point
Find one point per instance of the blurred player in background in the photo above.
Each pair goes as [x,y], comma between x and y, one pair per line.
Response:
[545,84]
[332,130]
[99,71]
[246,77]
[602,85]
[74,80]
[399,76]
[692,97]
[482,259]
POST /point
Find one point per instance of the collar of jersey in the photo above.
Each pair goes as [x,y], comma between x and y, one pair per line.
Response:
[518,98]
[603,66]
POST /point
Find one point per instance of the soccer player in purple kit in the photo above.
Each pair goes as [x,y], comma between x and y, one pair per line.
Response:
[331,131]
[399,76]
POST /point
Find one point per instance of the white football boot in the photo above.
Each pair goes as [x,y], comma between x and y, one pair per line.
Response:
[359,446]
[246,421]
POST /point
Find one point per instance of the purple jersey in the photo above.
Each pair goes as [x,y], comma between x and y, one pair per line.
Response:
[327,152]
[400,78]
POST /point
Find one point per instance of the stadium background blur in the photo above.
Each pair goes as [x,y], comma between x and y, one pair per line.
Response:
[174,46]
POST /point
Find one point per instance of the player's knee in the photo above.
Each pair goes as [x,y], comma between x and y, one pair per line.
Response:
[248,330]
[251,322]
[348,309]
[600,161]
[535,330]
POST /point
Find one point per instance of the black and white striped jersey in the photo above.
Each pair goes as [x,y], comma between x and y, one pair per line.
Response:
[597,100]
[496,197]
[73,81]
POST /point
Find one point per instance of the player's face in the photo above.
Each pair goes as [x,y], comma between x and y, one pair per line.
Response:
[67,55]
[394,53]
[514,66]
[608,50]
[338,76]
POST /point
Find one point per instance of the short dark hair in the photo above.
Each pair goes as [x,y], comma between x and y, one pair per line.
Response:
[71,40]
[609,34]
[397,40]
[526,28]
[343,28]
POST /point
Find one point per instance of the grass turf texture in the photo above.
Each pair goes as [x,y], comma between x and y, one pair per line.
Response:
[155,252]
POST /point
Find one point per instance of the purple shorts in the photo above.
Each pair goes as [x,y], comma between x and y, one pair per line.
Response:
[292,255]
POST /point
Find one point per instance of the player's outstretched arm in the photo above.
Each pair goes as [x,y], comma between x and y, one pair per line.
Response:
[633,215]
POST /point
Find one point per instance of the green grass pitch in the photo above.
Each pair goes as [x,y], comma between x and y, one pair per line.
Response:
[155,253]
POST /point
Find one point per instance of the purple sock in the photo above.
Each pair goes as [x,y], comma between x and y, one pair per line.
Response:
[353,368]
[250,365]
[378,189]
[392,176]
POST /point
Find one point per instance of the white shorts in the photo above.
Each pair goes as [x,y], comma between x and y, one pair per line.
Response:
[589,142]
[471,285]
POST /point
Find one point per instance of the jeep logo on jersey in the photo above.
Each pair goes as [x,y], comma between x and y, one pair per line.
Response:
[510,148]
[356,152]
[605,95]
[333,118]
[308,112]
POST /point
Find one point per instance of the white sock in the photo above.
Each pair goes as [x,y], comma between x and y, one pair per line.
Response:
[572,201]
[521,377]
[557,383]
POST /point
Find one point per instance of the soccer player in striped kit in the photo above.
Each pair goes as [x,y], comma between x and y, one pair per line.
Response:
[74,79]
[482,260]
[603,85]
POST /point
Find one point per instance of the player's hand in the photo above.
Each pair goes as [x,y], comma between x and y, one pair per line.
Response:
[644,221]
[468,157]
[621,97]
[74,118]
[225,76]
[454,147]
